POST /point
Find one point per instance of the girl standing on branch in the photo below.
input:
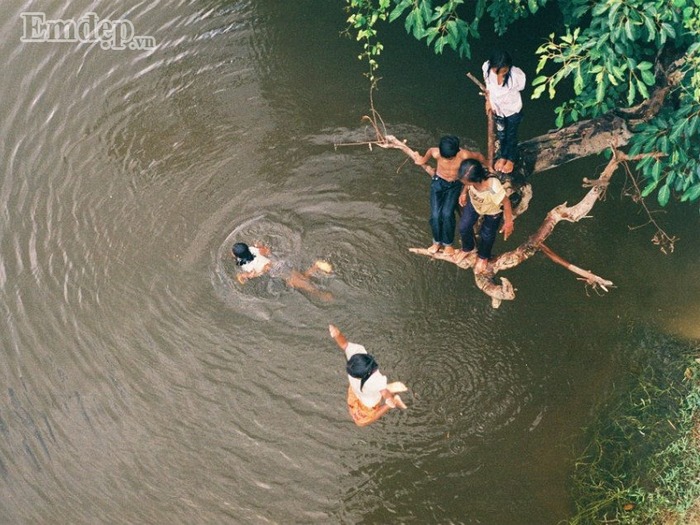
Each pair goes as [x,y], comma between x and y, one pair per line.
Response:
[504,82]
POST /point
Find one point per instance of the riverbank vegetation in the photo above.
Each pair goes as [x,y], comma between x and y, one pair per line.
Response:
[642,462]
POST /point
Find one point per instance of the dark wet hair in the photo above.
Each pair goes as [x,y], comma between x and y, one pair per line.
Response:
[499,59]
[449,146]
[242,253]
[472,170]
[361,366]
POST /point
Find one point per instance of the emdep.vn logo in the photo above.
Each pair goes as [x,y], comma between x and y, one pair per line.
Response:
[111,34]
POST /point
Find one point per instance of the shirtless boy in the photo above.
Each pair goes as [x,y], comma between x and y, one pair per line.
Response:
[445,189]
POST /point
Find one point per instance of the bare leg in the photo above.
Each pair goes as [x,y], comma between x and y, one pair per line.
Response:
[319,266]
[300,281]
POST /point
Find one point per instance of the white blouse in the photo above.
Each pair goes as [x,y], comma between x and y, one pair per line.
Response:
[506,99]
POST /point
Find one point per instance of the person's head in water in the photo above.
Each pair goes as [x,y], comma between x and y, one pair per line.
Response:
[471,170]
[242,253]
[449,146]
[501,62]
[361,366]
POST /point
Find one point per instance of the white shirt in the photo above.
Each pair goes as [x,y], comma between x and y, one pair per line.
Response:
[258,264]
[506,99]
[370,395]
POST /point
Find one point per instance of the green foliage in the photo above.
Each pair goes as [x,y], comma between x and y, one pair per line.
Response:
[611,53]
[643,460]
[441,24]
[363,18]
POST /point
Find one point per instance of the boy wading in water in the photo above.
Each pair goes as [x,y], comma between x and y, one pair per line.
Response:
[368,386]
[445,189]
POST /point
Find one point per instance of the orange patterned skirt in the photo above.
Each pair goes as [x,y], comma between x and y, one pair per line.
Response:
[361,415]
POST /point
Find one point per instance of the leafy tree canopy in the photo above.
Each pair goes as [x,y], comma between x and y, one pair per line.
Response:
[616,54]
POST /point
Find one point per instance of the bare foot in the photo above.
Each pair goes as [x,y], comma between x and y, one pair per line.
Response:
[434,248]
[448,250]
[396,387]
[498,165]
[399,403]
[333,330]
[508,166]
[323,266]
[461,255]
[481,265]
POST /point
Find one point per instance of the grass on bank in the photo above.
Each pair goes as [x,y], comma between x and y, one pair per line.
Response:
[642,464]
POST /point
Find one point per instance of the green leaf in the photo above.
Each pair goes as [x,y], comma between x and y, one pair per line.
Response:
[668,29]
[650,188]
[642,89]
[410,21]
[559,121]
[452,31]
[648,78]
[578,82]
[399,9]
[538,91]
[651,28]
[440,44]
[631,94]
[600,92]
[678,128]
[599,8]
[692,193]
[664,195]
[539,80]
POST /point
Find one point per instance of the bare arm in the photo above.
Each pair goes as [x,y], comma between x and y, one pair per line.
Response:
[338,336]
[507,218]
[430,154]
[264,250]
[244,276]
[476,155]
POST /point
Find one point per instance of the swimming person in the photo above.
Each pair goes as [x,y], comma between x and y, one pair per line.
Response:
[487,199]
[504,82]
[445,189]
[368,386]
[255,261]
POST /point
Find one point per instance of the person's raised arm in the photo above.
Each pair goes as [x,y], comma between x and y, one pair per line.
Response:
[507,218]
[338,336]
[262,249]
[428,155]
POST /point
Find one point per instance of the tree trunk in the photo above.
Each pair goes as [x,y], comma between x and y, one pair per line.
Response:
[588,137]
